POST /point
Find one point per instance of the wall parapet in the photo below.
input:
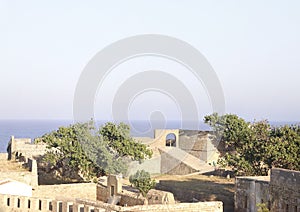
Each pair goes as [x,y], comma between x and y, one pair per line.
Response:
[279,192]
[29,204]
[285,190]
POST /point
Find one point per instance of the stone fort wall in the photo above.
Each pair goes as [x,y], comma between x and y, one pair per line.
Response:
[23,151]
[250,191]
[285,190]
[160,138]
[200,144]
[23,147]
[10,203]
[281,192]
[28,175]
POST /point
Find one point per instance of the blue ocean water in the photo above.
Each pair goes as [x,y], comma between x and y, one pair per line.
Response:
[26,129]
[36,128]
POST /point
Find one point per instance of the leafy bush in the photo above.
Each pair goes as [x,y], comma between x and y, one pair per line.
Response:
[142,181]
[261,207]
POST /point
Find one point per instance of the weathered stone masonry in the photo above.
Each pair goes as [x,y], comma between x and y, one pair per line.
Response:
[279,192]
[285,190]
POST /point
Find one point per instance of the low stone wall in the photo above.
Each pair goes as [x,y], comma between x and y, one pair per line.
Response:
[285,190]
[30,150]
[10,203]
[160,197]
[132,199]
[250,191]
[281,192]
[22,147]
[183,207]
[213,206]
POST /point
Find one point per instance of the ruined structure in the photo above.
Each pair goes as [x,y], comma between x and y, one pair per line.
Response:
[200,144]
[180,152]
[279,192]
[250,191]
[23,151]
[114,193]
[285,190]
[23,148]
[190,149]
[156,201]
[175,151]
[27,175]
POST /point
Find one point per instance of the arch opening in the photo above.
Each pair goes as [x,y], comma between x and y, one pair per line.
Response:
[171,140]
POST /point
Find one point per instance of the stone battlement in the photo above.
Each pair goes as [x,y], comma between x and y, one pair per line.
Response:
[20,204]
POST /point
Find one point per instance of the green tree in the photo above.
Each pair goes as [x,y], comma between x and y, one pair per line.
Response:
[284,148]
[231,130]
[253,148]
[142,181]
[117,136]
[65,152]
[81,148]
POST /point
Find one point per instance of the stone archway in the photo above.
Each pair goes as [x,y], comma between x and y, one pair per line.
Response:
[160,137]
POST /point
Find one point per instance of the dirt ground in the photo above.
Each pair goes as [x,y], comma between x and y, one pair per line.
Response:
[7,165]
[198,187]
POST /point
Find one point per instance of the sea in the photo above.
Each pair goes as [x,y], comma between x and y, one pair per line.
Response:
[37,128]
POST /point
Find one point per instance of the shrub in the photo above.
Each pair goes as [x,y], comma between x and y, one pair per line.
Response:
[142,181]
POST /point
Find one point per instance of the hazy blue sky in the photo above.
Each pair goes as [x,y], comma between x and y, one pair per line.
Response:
[254,48]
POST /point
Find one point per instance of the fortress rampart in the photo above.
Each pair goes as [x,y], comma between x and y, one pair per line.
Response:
[279,192]
[10,203]
[28,174]
[23,148]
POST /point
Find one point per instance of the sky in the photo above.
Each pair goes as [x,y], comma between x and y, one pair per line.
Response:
[253,47]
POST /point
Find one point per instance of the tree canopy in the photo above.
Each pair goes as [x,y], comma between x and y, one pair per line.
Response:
[91,152]
[118,138]
[253,148]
